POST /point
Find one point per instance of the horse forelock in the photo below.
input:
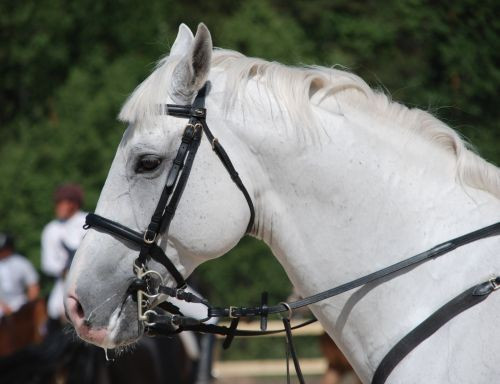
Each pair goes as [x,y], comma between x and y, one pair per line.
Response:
[298,89]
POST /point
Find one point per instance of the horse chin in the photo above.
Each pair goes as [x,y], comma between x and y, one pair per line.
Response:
[124,329]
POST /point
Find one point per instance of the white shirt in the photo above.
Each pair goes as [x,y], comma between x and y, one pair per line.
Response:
[16,275]
[59,238]
[55,236]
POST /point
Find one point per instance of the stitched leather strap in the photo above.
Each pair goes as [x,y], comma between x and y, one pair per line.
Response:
[432,253]
[429,326]
[291,350]
[226,161]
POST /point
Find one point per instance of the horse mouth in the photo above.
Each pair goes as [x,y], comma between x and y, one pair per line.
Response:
[123,327]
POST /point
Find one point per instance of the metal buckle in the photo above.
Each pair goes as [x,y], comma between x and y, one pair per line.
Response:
[145,238]
[199,112]
[143,298]
[494,283]
[214,140]
[174,321]
[231,310]
[290,310]
[153,295]
[146,318]
[179,292]
[198,127]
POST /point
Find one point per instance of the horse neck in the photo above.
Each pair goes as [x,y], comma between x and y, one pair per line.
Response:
[364,198]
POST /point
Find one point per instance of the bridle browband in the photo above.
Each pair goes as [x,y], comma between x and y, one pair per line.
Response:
[149,284]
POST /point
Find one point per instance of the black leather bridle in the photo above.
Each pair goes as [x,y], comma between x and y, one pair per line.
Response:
[165,209]
[165,318]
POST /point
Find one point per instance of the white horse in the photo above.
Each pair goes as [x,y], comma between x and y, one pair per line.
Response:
[344,182]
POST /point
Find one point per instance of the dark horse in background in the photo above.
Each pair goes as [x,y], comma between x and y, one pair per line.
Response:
[61,358]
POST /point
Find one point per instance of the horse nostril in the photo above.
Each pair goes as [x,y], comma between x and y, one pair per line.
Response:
[79,309]
[75,310]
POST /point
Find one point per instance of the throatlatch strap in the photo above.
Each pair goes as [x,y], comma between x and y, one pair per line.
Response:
[429,326]
[226,161]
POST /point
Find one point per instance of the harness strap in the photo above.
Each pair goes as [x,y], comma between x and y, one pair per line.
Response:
[291,351]
[183,295]
[432,253]
[429,326]
[230,337]
[189,145]
[170,209]
[226,161]
[160,323]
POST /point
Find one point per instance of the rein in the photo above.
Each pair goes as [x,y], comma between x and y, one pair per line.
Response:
[165,318]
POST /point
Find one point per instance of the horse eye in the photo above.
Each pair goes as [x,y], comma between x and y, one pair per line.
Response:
[148,163]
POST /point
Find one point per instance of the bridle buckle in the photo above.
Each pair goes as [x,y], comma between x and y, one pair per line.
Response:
[232,308]
[198,112]
[494,283]
[147,237]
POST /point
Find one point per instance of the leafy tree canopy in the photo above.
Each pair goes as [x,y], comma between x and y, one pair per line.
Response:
[68,66]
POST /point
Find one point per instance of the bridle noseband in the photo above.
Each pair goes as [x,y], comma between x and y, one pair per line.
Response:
[149,284]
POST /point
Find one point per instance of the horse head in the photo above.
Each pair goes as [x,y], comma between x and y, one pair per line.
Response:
[211,217]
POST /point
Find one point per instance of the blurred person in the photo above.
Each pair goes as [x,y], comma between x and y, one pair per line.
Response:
[18,278]
[60,240]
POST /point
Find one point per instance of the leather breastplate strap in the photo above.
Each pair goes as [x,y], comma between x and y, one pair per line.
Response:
[429,326]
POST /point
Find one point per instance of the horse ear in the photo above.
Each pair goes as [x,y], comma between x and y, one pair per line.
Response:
[183,41]
[192,71]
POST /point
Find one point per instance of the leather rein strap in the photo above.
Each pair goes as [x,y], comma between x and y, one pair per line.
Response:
[432,253]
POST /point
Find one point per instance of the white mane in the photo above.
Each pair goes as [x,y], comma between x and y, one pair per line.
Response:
[299,88]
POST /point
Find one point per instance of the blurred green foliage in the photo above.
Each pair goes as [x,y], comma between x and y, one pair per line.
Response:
[67,66]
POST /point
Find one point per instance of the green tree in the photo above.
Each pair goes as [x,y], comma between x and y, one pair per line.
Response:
[68,66]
